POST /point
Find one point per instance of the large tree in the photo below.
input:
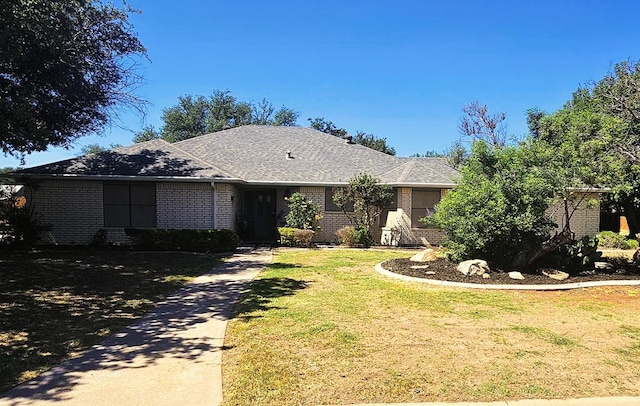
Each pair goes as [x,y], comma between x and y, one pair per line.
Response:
[601,125]
[362,138]
[65,69]
[197,115]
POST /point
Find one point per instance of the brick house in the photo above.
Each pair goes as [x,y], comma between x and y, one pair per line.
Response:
[236,179]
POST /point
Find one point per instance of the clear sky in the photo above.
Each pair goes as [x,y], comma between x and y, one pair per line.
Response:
[398,69]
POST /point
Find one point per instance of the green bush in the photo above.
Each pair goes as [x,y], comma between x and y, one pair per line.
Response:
[159,239]
[610,239]
[295,237]
[354,237]
[497,211]
[303,213]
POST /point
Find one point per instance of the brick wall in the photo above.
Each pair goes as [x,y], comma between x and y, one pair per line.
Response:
[184,205]
[586,218]
[228,202]
[73,209]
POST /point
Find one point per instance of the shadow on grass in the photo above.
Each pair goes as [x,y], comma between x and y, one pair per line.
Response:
[57,304]
[260,293]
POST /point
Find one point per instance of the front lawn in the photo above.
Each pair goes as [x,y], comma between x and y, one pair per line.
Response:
[322,327]
[55,304]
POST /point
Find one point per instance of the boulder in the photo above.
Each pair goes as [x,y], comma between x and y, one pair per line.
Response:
[555,274]
[474,267]
[424,256]
[516,275]
[602,265]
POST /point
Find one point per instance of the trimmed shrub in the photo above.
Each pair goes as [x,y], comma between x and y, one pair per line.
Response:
[302,238]
[354,237]
[295,237]
[610,239]
[159,239]
[286,235]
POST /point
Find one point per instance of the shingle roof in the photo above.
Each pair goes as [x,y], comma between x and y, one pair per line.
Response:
[155,158]
[258,155]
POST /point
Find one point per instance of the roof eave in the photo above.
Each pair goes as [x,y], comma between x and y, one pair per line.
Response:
[151,178]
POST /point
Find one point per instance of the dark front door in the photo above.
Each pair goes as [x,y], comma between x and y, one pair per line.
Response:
[260,212]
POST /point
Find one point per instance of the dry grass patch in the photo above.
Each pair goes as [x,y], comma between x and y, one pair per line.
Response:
[334,331]
[55,304]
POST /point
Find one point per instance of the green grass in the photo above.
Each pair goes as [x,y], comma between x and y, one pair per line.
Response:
[322,327]
[55,304]
[546,335]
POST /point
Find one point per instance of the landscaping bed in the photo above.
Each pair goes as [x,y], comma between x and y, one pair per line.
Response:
[443,270]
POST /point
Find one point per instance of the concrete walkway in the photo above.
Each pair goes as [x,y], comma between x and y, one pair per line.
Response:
[172,356]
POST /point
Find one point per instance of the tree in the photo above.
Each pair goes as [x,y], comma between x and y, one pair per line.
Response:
[429,154]
[478,124]
[497,211]
[601,125]
[371,141]
[97,148]
[198,115]
[326,126]
[362,138]
[148,133]
[368,198]
[66,67]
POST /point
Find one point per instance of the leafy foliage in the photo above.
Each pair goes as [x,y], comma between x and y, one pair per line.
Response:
[198,115]
[601,125]
[354,237]
[610,239]
[369,198]
[20,226]
[497,210]
[65,67]
[303,213]
[362,138]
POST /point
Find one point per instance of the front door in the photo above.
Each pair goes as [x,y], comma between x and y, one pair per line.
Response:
[260,212]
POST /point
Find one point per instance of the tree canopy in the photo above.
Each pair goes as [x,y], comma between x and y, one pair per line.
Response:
[66,67]
[198,115]
[598,133]
[362,138]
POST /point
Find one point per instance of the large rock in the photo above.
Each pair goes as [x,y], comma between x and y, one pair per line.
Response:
[424,256]
[555,274]
[516,275]
[473,267]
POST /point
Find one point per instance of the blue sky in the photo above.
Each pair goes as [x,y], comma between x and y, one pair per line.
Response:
[398,69]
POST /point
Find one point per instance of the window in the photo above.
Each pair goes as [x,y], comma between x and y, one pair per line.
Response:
[385,212]
[329,205]
[423,201]
[129,205]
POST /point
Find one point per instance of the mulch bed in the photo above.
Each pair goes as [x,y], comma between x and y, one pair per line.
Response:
[447,271]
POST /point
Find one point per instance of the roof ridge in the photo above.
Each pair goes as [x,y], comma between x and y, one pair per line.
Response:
[409,167]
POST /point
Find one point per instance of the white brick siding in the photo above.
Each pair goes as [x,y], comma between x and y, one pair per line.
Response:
[73,209]
[228,201]
[184,205]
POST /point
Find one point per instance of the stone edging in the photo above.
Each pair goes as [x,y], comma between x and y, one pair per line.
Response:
[566,286]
